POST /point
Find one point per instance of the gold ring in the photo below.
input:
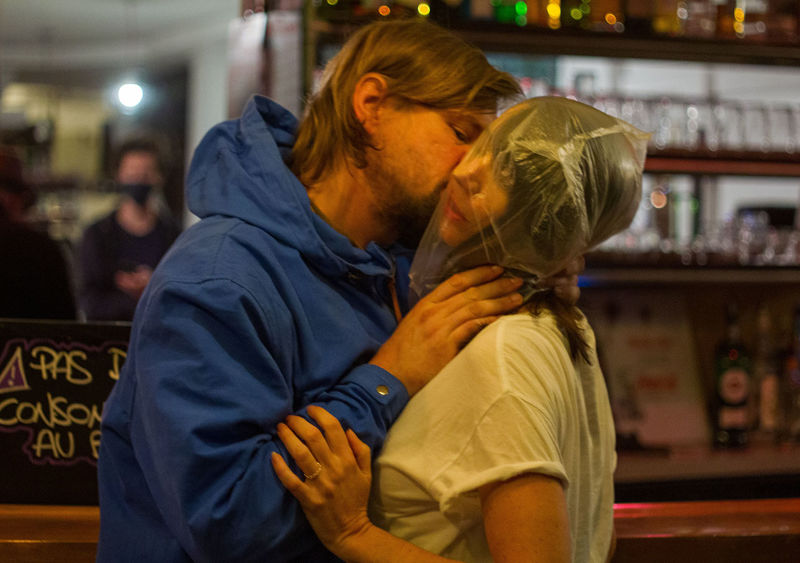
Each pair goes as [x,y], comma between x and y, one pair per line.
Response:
[315,474]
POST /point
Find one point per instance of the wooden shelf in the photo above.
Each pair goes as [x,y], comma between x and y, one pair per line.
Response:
[724,163]
[633,275]
[493,36]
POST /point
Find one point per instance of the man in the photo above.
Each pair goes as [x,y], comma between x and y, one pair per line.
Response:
[288,292]
[118,253]
[34,278]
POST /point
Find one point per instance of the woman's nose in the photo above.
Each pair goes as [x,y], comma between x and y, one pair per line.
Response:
[472,170]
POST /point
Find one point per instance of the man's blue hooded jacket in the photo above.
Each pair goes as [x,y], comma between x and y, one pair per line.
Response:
[257,310]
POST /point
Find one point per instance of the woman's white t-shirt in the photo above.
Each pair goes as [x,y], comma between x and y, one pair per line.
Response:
[511,402]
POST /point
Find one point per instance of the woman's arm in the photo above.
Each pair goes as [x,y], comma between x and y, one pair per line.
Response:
[525,519]
[336,489]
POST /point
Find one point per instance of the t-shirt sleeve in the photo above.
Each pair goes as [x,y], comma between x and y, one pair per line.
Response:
[513,437]
[518,432]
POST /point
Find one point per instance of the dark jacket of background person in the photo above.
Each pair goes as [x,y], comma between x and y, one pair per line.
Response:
[34,279]
[107,248]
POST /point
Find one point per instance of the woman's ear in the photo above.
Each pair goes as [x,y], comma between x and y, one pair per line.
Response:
[369,94]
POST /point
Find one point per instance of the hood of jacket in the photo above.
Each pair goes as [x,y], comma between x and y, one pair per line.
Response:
[239,170]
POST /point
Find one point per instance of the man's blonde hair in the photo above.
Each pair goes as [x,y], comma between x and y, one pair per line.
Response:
[422,64]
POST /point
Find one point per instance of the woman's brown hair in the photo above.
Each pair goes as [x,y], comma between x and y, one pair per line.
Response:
[568,319]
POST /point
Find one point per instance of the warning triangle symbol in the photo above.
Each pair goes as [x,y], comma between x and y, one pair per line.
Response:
[12,378]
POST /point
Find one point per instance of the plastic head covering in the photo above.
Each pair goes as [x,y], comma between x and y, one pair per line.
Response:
[547,181]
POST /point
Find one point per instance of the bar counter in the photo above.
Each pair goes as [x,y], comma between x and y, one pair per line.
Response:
[746,531]
[730,531]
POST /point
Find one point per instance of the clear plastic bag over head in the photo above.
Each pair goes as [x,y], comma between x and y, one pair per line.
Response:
[547,181]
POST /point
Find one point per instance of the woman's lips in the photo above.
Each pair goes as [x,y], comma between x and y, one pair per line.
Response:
[452,212]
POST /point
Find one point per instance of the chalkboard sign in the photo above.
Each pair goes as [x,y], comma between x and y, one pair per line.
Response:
[54,379]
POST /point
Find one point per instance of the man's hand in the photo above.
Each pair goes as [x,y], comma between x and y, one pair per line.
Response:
[565,282]
[443,321]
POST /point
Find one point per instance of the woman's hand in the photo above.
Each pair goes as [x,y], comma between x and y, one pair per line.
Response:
[336,465]
[334,495]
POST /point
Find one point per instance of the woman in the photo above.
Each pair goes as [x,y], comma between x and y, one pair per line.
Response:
[508,454]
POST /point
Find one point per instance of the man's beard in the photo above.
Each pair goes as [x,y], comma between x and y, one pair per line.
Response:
[409,216]
[402,213]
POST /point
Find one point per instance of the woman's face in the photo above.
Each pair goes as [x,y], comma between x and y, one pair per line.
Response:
[472,200]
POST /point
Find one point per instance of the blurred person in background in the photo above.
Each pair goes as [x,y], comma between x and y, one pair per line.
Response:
[34,278]
[119,252]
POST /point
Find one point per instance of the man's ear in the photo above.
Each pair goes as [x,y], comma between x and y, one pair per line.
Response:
[369,95]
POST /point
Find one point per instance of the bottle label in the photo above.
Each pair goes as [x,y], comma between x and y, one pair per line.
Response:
[734,385]
[768,404]
[732,417]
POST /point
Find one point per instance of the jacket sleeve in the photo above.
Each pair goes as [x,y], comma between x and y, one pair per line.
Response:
[210,391]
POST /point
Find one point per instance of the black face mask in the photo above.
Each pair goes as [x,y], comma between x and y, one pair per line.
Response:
[138,192]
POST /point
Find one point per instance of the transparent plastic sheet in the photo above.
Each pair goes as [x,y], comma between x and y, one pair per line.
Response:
[550,179]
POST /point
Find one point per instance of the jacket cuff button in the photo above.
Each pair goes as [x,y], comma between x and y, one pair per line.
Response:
[382,390]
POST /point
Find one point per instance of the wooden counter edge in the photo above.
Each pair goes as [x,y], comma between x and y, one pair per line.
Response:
[40,528]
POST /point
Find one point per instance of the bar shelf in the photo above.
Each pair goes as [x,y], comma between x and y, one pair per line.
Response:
[498,37]
[631,275]
[734,163]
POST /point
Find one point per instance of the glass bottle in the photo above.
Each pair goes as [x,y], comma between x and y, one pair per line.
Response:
[607,15]
[782,25]
[576,13]
[756,19]
[732,386]
[701,18]
[725,18]
[743,19]
[791,381]
[669,17]
[638,17]
[765,405]
[481,10]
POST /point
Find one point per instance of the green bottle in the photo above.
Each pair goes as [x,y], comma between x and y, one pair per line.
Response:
[733,383]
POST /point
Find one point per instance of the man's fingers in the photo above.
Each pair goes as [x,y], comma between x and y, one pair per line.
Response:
[485,308]
[458,283]
[491,290]
[481,300]
[468,330]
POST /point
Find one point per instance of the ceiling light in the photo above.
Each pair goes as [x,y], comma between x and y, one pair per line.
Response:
[130,94]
